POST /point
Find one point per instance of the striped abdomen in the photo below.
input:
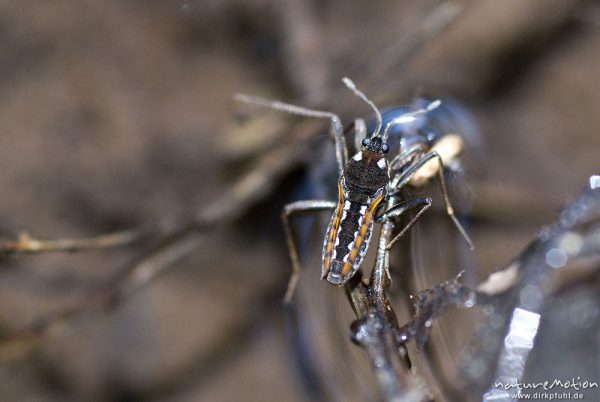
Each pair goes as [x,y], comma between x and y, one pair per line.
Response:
[347,239]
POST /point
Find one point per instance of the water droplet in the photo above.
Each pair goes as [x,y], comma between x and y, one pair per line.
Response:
[556,258]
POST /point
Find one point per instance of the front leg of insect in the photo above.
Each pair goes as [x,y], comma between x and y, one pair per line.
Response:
[362,188]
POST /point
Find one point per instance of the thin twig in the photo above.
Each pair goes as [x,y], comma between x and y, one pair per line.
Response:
[376,329]
[106,299]
[179,241]
[26,244]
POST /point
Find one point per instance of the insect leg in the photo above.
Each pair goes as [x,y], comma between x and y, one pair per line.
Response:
[400,208]
[406,176]
[293,208]
[360,132]
[335,128]
[404,158]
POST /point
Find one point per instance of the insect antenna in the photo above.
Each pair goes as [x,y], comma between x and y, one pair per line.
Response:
[350,84]
[284,107]
[409,117]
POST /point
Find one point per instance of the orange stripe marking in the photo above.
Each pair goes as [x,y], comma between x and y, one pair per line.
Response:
[337,218]
[361,236]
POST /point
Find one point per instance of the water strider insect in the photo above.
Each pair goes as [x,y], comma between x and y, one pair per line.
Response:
[369,187]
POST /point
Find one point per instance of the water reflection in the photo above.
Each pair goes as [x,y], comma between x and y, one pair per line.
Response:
[518,343]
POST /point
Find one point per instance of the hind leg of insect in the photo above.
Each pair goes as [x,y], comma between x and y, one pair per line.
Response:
[289,210]
[398,209]
[335,128]
[410,172]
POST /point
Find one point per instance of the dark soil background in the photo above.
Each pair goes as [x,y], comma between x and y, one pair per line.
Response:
[115,114]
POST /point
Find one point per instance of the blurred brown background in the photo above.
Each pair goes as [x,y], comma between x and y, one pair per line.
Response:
[116,114]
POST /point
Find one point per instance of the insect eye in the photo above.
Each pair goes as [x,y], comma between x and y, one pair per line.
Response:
[366,142]
[385,149]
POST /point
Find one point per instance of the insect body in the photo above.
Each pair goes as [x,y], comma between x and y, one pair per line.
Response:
[369,190]
[362,188]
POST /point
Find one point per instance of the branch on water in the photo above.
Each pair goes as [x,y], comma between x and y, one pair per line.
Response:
[376,330]
[564,255]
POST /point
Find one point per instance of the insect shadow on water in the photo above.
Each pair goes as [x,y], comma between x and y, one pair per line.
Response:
[369,189]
